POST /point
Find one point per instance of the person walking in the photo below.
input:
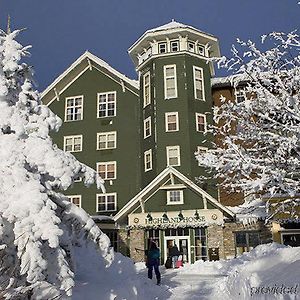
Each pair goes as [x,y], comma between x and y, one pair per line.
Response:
[174,253]
[153,256]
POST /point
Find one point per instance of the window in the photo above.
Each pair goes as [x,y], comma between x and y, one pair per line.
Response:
[147,127]
[175,197]
[106,140]
[201,150]
[106,104]
[148,160]
[170,81]
[246,240]
[147,95]
[106,202]
[73,143]
[162,47]
[171,119]
[198,84]
[240,95]
[200,243]
[201,50]
[107,170]
[74,108]
[173,155]
[75,199]
[191,46]
[174,45]
[200,122]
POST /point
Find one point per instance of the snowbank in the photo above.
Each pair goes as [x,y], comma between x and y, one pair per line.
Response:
[270,271]
[119,281]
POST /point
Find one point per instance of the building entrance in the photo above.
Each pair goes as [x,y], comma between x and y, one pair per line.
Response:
[183,245]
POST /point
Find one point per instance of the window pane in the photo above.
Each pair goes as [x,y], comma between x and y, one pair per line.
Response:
[241,239]
[170,71]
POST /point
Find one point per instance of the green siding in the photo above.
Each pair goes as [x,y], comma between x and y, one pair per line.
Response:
[125,123]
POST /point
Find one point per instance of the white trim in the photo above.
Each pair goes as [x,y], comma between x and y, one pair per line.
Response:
[70,197]
[156,181]
[205,122]
[98,61]
[168,148]
[106,111]
[148,152]
[181,201]
[175,80]
[144,88]
[73,97]
[105,164]
[73,138]
[178,45]
[105,195]
[176,240]
[106,133]
[167,114]
[147,120]
[195,68]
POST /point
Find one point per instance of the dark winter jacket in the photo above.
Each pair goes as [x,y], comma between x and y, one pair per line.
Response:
[153,257]
[174,251]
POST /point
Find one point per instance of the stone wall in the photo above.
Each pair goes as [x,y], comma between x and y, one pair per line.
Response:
[230,228]
[215,239]
[137,245]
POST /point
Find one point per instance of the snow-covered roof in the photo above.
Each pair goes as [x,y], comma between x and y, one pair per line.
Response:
[91,57]
[171,25]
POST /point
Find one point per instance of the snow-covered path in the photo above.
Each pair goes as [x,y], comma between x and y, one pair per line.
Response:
[185,285]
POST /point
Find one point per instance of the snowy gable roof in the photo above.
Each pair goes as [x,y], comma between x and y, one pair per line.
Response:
[86,61]
[170,25]
[157,181]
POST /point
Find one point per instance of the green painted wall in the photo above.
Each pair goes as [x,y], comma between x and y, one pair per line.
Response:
[126,123]
[187,106]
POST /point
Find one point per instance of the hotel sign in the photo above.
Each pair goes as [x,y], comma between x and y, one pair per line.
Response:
[180,218]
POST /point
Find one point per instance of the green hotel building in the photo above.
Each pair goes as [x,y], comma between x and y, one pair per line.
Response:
[141,137]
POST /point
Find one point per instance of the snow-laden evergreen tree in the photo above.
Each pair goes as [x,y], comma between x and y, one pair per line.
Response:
[258,140]
[38,225]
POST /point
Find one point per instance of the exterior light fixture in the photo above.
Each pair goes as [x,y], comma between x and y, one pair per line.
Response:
[149,217]
[196,215]
[180,216]
[165,217]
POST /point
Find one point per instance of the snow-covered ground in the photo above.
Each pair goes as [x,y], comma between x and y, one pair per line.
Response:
[262,273]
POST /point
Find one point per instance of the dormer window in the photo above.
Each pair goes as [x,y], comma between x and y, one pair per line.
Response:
[174,45]
[201,50]
[191,46]
[162,47]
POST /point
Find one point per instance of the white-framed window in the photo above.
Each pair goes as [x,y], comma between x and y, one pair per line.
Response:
[74,108]
[147,89]
[201,150]
[75,199]
[171,121]
[170,81]
[73,143]
[198,83]
[106,140]
[162,47]
[147,127]
[191,46]
[107,170]
[240,94]
[106,104]
[201,125]
[148,160]
[174,46]
[106,202]
[174,197]
[201,50]
[173,155]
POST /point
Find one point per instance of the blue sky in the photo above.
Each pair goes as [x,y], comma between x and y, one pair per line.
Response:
[61,30]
